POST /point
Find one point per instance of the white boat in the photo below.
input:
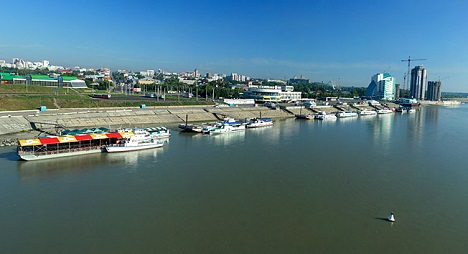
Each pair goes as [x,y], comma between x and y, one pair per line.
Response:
[155,132]
[366,112]
[207,128]
[411,110]
[227,125]
[224,128]
[346,114]
[140,141]
[322,115]
[384,111]
[159,132]
[259,122]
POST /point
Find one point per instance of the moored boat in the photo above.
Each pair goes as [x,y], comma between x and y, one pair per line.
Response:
[191,128]
[366,112]
[259,122]
[345,114]
[159,132]
[154,132]
[384,111]
[322,115]
[224,128]
[140,141]
[304,116]
[64,146]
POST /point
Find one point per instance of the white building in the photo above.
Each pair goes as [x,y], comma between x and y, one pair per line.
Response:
[272,94]
[382,87]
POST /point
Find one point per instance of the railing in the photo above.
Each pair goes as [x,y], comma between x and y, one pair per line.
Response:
[60,151]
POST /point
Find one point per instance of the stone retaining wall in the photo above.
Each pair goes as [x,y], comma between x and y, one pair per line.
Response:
[131,117]
[13,124]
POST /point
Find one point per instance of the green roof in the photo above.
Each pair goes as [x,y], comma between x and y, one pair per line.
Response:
[9,77]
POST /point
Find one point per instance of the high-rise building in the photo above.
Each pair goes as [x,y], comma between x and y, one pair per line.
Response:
[418,83]
[382,86]
[397,91]
[433,90]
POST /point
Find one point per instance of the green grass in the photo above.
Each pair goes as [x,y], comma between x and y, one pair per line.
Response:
[15,97]
[31,89]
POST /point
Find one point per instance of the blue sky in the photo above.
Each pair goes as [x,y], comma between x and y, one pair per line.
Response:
[344,41]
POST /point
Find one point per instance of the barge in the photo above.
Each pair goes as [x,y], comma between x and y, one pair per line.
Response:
[64,146]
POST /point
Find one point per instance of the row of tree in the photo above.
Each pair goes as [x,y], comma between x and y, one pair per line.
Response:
[230,89]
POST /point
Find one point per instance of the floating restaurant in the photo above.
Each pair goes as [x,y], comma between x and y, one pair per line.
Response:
[63,146]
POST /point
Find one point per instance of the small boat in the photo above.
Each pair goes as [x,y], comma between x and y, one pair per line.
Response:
[401,110]
[224,128]
[259,122]
[411,110]
[345,114]
[366,112]
[186,127]
[159,132]
[227,125]
[322,115]
[140,141]
[302,116]
[155,132]
[207,128]
[191,128]
[384,111]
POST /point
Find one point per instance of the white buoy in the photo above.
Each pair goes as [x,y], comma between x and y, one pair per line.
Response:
[391,218]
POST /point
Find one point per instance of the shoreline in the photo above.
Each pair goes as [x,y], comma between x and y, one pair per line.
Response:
[31,126]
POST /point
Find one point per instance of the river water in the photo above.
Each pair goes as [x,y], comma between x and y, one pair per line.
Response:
[297,187]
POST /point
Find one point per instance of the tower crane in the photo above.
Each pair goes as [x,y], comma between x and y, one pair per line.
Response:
[409,66]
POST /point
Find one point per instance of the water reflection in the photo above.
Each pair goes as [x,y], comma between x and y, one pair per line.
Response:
[431,115]
[228,138]
[59,165]
[284,130]
[416,127]
[8,153]
[86,162]
[134,159]
[383,132]
[134,156]
[346,119]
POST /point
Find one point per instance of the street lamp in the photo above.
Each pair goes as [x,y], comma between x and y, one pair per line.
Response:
[214,91]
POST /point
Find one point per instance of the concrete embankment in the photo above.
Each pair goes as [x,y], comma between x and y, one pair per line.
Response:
[22,126]
[25,125]
[154,116]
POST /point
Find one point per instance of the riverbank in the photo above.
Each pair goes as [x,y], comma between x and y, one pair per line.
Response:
[24,125]
[30,125]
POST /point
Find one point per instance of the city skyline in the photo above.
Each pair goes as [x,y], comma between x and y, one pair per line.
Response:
[347,42]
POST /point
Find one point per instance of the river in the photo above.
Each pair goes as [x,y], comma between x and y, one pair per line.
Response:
[297,187]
